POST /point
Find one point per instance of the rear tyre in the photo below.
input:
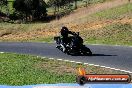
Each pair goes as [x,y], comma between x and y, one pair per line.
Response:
[86,51]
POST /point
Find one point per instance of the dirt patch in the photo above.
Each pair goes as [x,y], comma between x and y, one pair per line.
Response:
[29,35]
[46,33]
[4,33]
[97,25]
[83,12]
[56,67]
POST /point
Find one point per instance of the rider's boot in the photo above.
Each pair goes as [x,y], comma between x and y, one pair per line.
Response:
[63,48]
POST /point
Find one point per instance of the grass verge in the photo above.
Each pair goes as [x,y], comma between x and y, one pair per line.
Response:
[114,34]
[16,69]
[113,13]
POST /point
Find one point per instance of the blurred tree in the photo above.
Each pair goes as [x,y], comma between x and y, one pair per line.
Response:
[57,4]
[40,9]
[75,4]
[34,8]
[4,3]
[87,2]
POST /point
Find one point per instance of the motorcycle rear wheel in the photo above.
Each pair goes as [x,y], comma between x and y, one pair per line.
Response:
[86,51]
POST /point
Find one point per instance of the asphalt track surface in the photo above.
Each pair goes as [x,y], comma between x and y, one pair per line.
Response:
[111,56]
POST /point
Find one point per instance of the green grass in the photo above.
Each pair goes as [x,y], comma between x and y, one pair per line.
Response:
[108,14]
[114,13]
[114,34]
[23,69]
[117,33]
[16,69]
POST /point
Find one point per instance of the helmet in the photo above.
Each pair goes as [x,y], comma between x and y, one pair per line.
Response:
[65,29]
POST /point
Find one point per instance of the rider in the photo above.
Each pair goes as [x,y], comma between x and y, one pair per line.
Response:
[64,33]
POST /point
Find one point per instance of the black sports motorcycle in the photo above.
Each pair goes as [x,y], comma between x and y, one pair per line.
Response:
[74,46]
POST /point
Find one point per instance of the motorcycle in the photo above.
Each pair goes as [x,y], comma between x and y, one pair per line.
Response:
[74,46]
